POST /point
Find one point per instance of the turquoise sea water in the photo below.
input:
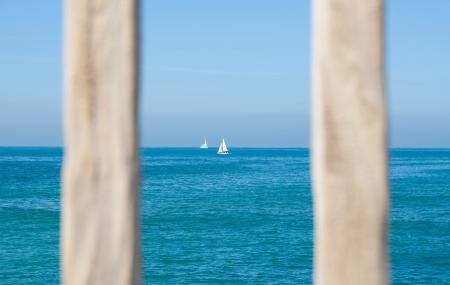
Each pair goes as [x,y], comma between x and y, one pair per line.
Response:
[241,219]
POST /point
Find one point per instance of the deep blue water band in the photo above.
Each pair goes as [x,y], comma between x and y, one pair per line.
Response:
[240,219]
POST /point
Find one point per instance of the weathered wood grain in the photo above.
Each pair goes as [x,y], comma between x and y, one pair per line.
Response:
[349,143]
[100,229]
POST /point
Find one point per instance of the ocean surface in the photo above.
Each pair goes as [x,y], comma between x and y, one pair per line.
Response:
[241,219]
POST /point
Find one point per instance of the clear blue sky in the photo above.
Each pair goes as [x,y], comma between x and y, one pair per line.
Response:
[238,69]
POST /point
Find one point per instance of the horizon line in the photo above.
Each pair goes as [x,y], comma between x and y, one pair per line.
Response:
[195,147]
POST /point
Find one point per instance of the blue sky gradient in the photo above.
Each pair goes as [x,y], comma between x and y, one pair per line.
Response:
[238,69]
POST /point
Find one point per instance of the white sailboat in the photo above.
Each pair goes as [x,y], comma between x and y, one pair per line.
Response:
[204,145]
[223,148]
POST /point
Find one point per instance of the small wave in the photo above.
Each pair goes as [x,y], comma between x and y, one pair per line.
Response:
[31,204]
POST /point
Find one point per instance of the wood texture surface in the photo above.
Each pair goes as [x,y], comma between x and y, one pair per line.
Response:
[349,143]
[100,229]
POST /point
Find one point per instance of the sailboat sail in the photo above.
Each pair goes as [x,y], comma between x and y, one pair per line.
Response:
[204,145]
[223,148]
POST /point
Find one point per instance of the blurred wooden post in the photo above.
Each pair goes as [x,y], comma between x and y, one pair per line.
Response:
[100,229]
[349,143]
